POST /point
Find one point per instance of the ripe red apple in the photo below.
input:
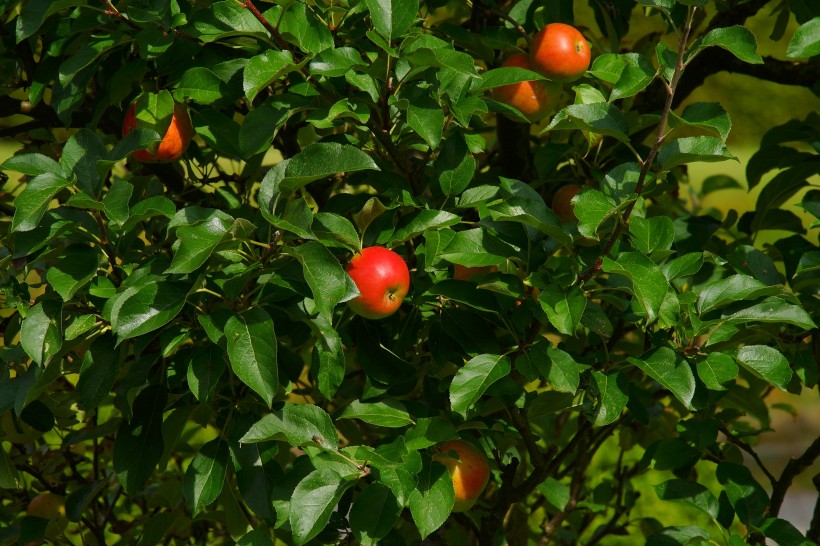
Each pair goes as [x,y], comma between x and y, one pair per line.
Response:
[560,52]
[383,280]
[464,273]
[470,471]
[535,99]
[173,144]
[562,203]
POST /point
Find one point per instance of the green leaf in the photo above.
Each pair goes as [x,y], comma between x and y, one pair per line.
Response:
[735,288]
[671,370]
[560,369]
[296,424]
[651,234]
[773,310]
[690,149]
[648,283]
[313,502]
[35,12]
[201,85]
[74,268]
[688,493]
[115,202]
[264,69]
[252,351]
[336,61]
[324,275]
[205,369]
[612,397]
[601,118]
[205,475]
[556,493]
[710,116]
[767,363]
[374,513]
[423,221]
[593,208]
[429,431]
[636,75]
[9,476]
[717,369]
[98,372]
[677,536]
[322,160]
[34,200]
[506,75]
[392,18]
[783,532]
[329,227]
[157,205]
[719,182]
[564,309]
[34,165]
[41,331]
[737,40]
[301,27]
[139,444]
[455,166]
[80,325]
[474,378]
[389,413]
[806,40]
[433,498]
[328,356]
[146,307]
[747,497]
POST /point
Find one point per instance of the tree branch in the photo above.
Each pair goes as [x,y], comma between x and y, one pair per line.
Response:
[792,470]
[813,533]
[748,449]
[646,164]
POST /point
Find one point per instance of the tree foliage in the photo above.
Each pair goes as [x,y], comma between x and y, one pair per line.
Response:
[178,360]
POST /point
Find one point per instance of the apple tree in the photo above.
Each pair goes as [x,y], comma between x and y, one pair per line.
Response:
[180,362]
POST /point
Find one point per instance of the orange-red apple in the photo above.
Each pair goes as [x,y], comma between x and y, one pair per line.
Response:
[173,144]
[383,280]
[560,52]
[534,99]
[469,471]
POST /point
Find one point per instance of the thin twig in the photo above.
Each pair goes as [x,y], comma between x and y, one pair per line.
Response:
[272,30]
[748,449]
[111,10]
[646,164]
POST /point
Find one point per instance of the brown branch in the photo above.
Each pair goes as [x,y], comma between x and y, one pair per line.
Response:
[748,449]
[111,10]
[792,470]
[813,533]
[272,30]
[650,158]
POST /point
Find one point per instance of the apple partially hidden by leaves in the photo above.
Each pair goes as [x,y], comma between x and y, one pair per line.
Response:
[383,280]
[534,99]
[469,471]
[562,203]
[173,144]
[560,52]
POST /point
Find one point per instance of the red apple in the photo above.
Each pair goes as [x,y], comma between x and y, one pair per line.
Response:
[469,472]
[560,52]
[383,280]
[562,203]
[535,99]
